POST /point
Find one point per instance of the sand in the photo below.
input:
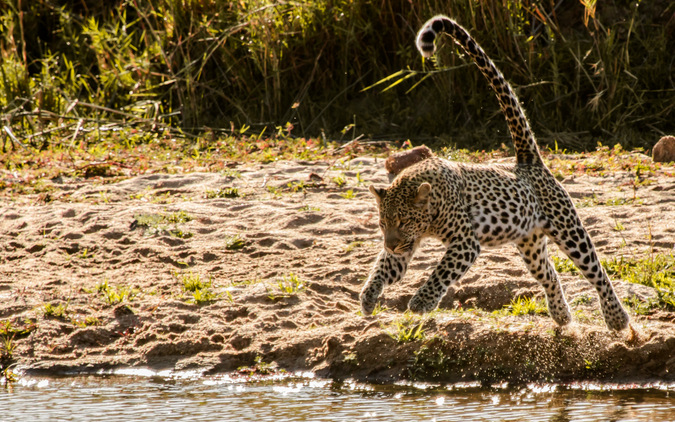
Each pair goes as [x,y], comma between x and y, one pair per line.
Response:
[295,221]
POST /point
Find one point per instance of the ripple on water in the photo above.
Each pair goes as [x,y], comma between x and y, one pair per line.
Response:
[135,395]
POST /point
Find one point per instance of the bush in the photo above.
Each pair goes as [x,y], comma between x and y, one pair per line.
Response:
[188,64]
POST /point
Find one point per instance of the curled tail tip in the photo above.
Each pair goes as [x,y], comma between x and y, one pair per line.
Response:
[428,33]
[425,41]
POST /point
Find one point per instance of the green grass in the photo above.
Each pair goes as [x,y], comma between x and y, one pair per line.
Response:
[235,242]
[354,245]
[163,223]
[641,307]
[656,270]
[581,300]
[594,201]
[9,333]
[604,161]
[200,291]
[113,295]
[259,367]
[285,287]
[349,194]
[231,192]
[234,174]
[379,308]
[247,282]
[200,70]
[206,296]
[407,328]
[155,220]
[87,321]
[525,306]
[564,265]
[340,180]
[618,227]
[59,311]
[193,282]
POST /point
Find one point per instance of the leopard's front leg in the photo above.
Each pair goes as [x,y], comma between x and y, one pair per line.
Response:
[388,269]
[458,258]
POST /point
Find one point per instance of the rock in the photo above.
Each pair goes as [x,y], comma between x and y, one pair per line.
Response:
[664,150]
[396,163]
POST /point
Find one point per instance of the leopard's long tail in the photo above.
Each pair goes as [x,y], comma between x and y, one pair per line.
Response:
[527,152]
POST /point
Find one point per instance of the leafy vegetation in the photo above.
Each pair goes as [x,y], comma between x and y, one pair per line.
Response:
[349,194]
[656,270]
[59,311]
[407,328]
[353,245]
[113,295]
[564,265]
[261,69]
[199,290]
[525,306]
[259,367]
[86,321]
[231,192]
[235,243]
[431,361]
[285,287]
[9,333]
[164,223]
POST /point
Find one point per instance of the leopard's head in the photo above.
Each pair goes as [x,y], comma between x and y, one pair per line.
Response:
[404,214]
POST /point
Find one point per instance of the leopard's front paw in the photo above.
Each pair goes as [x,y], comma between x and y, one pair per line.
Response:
[368,301]
[367,307]
[421,305]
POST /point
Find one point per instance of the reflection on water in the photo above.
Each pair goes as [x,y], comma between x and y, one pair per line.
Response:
[217,398]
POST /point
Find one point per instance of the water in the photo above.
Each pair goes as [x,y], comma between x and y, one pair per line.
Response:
[221,398]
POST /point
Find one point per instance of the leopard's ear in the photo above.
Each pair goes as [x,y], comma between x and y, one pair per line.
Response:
[378,193]
[422,197]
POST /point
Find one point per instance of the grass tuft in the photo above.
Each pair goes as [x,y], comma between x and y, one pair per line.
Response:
[564,265]
[525,306]
[167,224]
[656,270]
[113,295]
[235,243]
[407,329]
[230,192]
[287,286]
[199,290]
[59,311]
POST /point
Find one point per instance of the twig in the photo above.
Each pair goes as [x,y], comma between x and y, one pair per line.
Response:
[109,110]
[9,133]
[77,131]
[46,131]
[348,144]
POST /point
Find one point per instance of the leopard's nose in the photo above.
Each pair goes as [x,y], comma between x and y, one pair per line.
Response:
[390,245]
[391,242]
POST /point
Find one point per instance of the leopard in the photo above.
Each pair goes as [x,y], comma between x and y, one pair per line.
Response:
[469,206]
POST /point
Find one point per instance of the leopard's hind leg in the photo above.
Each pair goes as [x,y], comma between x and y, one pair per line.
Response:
[535,254]
[572,238]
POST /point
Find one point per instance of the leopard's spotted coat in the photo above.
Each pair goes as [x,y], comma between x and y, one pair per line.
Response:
[472,206]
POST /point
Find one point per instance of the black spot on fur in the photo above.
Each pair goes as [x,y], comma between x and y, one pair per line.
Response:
[428,37]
